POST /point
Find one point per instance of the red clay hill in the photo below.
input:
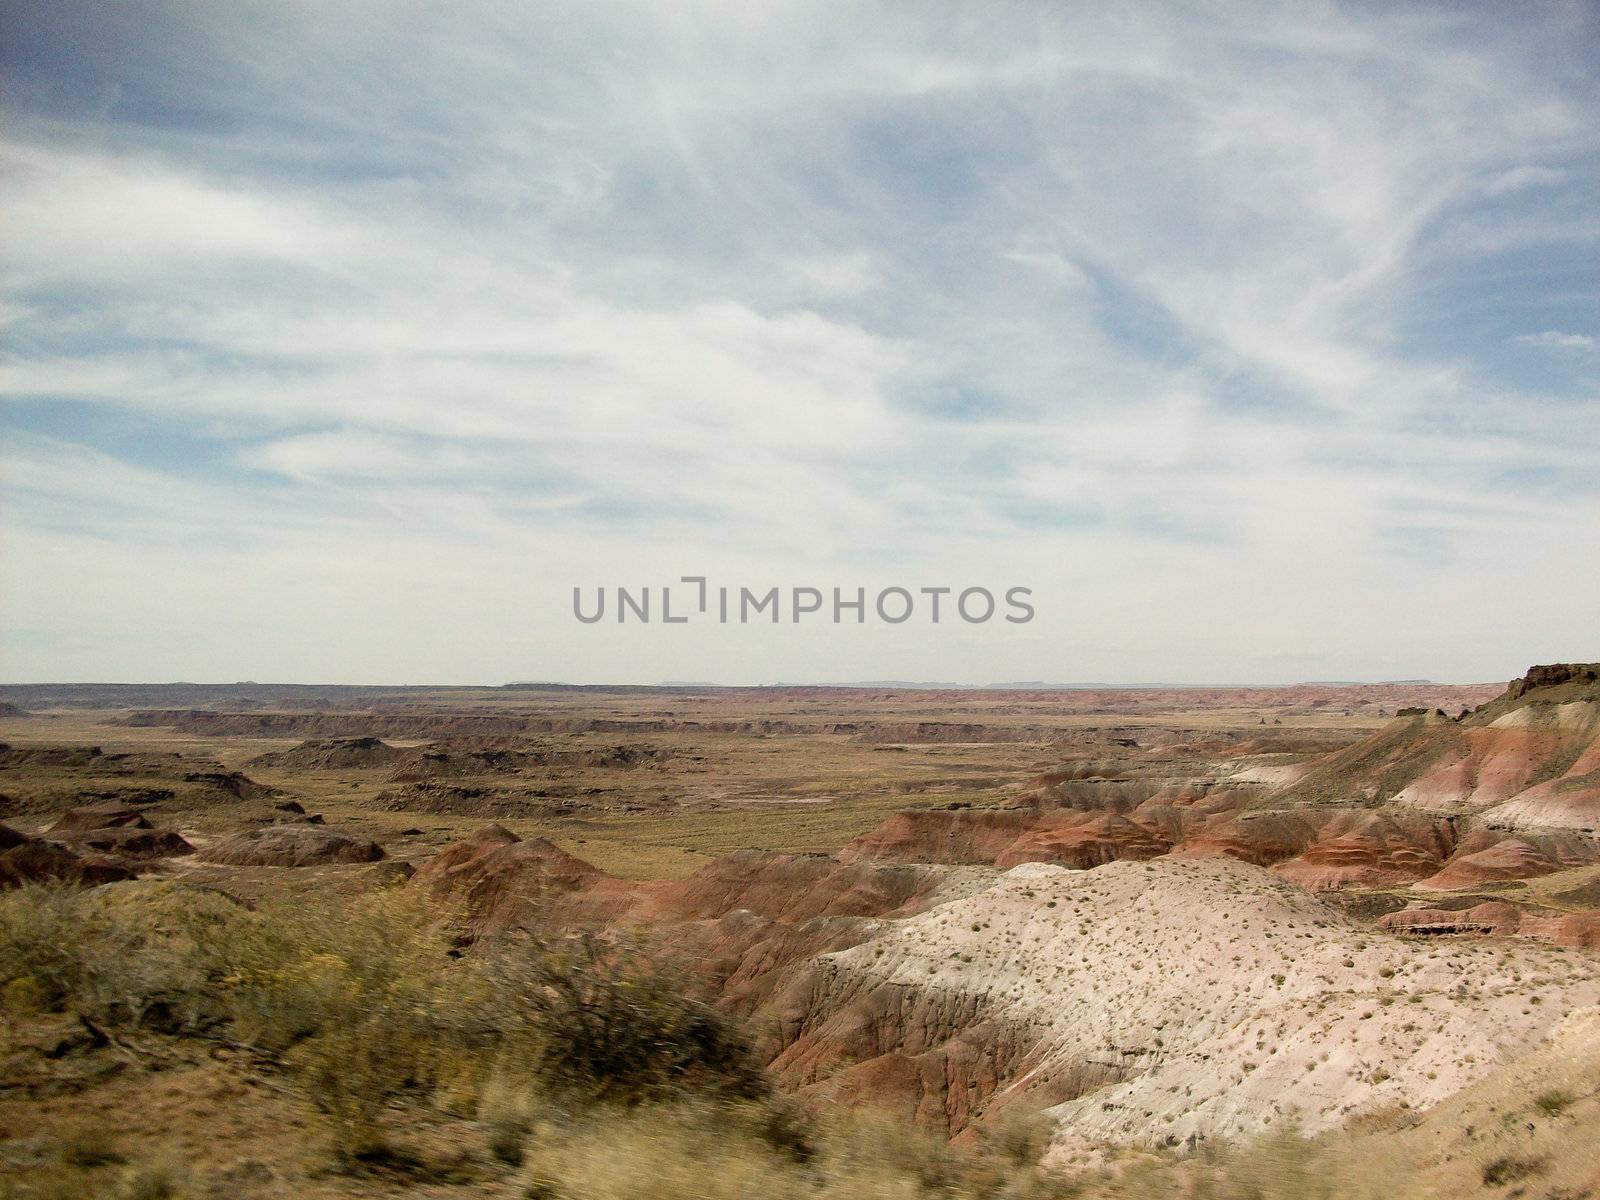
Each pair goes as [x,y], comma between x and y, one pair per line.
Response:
[1508,791]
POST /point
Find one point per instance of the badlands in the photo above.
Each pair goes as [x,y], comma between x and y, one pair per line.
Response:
[1157,926]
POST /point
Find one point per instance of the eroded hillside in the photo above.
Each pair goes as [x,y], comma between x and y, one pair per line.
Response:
[1171,925]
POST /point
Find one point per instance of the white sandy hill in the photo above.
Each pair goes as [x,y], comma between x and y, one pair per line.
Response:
[1223,998]
[1533,1119]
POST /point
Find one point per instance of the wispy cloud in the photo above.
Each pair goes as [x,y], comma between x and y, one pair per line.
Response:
[1207,318]
[1555,339]
[1519,178]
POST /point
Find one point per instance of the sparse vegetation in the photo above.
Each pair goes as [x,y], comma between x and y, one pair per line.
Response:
[1509,1169]
[1553,1102]
[593,1075]
[363,1002]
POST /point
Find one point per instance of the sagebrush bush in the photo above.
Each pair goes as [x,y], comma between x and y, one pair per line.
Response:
[136,954]
[365,1001]
[619,1026]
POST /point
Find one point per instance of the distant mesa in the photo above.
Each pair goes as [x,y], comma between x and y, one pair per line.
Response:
[233,783]
[330,754]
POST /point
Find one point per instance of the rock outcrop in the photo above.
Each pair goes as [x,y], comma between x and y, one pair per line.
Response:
[106,814]
[331,754]
[26,859]
[291,845]
[1371,849]
[798,887]
[943,836]
[502,882]
[1494,856]
[111,827]
[1529,759]
[1498,918]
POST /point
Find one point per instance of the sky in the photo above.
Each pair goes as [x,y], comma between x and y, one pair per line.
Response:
[342,341]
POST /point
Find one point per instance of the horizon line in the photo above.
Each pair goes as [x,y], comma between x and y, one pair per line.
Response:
[777,685]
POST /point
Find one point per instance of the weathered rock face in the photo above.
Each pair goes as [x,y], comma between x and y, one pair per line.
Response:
[1491,856]
[1187,821]
[234,784]
[1148,1001]
[933,1056]
[1499,918]
[1554,675]
[750,922]
[740,922]
[743,960]
[291,846]
[54,756]
[1369,849]
[113,828]
[32,860]
[131,842]
[441,762]
[108,814]
[1083,840]
[1493,767]
[943,836]
[797,887]
[1259,837]
[1427,800]
[1528,759]
[1570,798]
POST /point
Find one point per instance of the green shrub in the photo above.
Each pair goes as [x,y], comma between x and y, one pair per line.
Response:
[132,954]
[618,1026]
[1553,1102]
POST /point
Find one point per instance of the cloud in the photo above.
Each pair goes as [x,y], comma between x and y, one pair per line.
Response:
[1106,297]
[1555,339]
[1519,178]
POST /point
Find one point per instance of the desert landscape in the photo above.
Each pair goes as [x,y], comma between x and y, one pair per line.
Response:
[1184,941]
[826,601]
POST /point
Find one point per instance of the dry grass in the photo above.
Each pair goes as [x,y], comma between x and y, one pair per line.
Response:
[693,1151]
